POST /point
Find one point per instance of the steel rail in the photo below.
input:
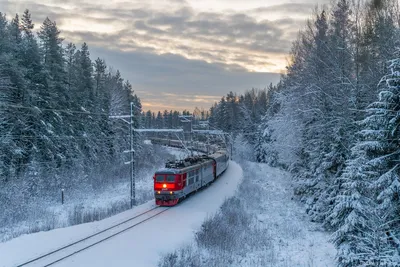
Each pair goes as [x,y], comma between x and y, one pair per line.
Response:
[93,235]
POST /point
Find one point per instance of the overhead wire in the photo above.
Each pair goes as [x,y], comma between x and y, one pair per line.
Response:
[58,110]
[60,137]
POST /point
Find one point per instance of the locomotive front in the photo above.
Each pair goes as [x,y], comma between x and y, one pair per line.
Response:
[168,185]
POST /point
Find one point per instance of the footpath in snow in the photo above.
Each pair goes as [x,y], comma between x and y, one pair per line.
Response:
[141,246]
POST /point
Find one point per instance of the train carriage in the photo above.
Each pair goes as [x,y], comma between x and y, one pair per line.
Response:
[181,178]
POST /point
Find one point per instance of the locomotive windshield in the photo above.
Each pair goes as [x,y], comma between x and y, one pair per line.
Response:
[170,178]
[161,178]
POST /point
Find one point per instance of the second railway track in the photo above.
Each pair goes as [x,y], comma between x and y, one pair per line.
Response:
[80,245]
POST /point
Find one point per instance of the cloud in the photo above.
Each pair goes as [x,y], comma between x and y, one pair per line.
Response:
[287,9]
[231,38]
[194,52]
[165,81]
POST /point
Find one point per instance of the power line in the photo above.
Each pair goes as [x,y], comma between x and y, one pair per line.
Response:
[55,161]
[139,131]
[63,137]
[57,110]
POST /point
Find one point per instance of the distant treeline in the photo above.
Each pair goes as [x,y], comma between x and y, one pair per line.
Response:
[170,119]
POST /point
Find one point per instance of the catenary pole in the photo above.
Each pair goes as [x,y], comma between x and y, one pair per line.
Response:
[132,160]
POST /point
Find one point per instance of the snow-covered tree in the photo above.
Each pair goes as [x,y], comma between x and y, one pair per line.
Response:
[55,109]
[366,213]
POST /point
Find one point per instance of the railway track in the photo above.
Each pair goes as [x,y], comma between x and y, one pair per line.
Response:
[80,245]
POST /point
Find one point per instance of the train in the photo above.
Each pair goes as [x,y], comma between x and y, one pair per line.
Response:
[181,178]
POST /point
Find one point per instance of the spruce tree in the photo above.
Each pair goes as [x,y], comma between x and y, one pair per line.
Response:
[367,207]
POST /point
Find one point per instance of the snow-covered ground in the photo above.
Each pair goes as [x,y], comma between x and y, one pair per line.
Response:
[262,226]
[80,206]
[278,234]
[83,204]
[297,241]
[141,246]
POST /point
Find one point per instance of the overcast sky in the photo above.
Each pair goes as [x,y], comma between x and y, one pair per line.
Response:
[179,54]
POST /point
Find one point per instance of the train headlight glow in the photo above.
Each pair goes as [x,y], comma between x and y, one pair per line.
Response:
[158,192]
[170,192]
[164,185]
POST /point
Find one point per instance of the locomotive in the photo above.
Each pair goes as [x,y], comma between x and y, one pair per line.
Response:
[180,178]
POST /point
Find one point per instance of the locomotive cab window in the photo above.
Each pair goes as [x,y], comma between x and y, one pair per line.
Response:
[170,178]
[160,178]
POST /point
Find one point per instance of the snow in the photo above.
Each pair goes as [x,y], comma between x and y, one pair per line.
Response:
[297,241]
[179,153]
[277,233]
[216,132]
[45,212]
[140,246]
[147,142]
[159,130]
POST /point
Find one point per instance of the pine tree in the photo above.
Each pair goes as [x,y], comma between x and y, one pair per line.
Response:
[338,135]
[85,78]
[7,144]
[386,114]
[159,120]
[317,101]
[71,68]
[149,123]
[368,203]
[36,82]
[99,76]
[51,44]
[4,41]
[352,208]
[15,30]
[27,24]
[378,42]
[14,96]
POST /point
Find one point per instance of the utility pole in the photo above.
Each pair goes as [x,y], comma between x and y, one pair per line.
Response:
[131,151]
[231,149]
[132,160]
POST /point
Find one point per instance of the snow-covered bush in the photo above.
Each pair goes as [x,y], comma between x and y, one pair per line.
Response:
[223,230]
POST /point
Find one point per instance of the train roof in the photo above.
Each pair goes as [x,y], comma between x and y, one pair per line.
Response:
[176,166]
[168,171]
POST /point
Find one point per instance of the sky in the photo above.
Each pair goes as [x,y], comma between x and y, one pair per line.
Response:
[180,54]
